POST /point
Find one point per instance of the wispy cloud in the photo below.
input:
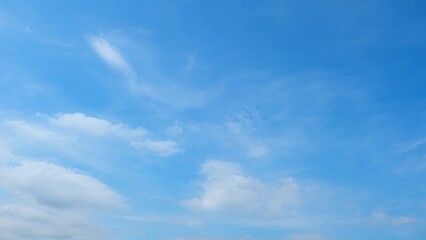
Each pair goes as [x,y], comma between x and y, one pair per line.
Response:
[175,220]
[239,126]
[381,217]
[410,146]
[113,57]
[396,221]
[307,236]
[171,94]
[174,130]
[162,148]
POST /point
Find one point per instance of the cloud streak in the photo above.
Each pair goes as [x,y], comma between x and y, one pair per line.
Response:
[70,130]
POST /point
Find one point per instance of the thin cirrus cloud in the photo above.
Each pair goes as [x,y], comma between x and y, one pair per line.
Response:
[227,188]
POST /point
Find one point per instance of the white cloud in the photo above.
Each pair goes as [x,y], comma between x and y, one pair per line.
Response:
[73,132]
[6,156]
[24,221]
[257,150]
[45,201]
[57,187]
[33,132]
[162,148]
[96,126]
[226,187]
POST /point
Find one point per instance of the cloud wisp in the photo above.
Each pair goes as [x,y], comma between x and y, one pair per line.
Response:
[113,57]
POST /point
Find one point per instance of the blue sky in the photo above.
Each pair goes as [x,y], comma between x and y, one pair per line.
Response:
[212,120]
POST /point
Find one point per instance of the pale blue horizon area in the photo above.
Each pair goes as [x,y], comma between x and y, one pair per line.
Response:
[213,120]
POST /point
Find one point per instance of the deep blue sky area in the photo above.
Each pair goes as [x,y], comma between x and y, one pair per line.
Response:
[213,120]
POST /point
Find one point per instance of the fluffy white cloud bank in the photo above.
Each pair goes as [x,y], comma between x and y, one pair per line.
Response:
[227,187]
[45,201]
